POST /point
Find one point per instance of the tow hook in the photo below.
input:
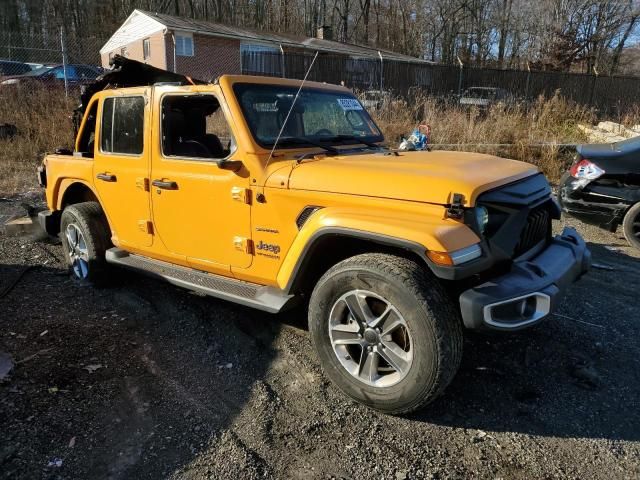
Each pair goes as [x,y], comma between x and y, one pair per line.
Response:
[456,209]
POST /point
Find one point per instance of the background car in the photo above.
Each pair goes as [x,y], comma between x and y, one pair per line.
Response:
[375,99]
[54,76]
[33,65]
[11,67]
[603,187]
[484,97]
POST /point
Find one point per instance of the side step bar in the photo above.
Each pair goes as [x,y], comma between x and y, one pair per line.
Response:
[269,299]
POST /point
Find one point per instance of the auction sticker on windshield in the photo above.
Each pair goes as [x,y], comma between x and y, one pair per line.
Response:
[349,104]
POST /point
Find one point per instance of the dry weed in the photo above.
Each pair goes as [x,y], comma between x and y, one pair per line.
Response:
[533,133]
[537,133]
[43,122]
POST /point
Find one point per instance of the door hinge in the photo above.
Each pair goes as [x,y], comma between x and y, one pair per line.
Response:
[142,184]
[243,244]
[456,207]
[241,194]
[146,226]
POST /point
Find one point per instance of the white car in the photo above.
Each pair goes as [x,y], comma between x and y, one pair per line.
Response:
[375,99]
[484,97]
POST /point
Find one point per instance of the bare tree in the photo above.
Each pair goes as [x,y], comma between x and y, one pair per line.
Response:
[548,34]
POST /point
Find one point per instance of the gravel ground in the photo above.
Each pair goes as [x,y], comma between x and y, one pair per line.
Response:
[144,380]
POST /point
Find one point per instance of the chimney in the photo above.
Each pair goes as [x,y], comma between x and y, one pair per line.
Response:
[324,32]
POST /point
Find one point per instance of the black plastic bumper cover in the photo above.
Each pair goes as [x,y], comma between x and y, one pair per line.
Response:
[591,203]
[49,222]
[550,273]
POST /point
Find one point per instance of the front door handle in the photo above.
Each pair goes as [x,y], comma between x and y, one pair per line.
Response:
[107,177]
[166,185]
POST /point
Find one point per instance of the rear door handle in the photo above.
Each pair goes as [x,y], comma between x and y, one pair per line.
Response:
[166,185]
[107,177]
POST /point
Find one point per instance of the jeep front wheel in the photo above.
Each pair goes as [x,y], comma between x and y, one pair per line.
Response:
[385,332]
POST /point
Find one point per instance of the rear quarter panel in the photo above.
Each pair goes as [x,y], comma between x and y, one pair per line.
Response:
[63,171]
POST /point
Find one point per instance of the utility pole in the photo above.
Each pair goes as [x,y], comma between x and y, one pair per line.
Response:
[460,75]
[381,71]
[593,85]
[526,88]
[64,62]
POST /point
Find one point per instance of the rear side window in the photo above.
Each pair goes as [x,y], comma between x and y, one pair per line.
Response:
[123,125]
[13,68]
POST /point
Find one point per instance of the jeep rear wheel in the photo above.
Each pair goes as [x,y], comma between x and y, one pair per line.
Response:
[631,226]
[85,237]
[385,332]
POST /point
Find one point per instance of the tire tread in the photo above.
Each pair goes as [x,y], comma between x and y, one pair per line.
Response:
[92,220]
[632,215]
[431,296]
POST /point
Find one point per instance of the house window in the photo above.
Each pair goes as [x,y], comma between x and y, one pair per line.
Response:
[123,51]
[184,45]
[146,49]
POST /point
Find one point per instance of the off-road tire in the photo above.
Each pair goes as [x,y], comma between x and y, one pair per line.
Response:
[431,317]
[89,218]
[631,226]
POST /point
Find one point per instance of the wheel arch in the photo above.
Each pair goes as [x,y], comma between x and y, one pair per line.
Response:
[73,191]
[332,234]
[69,191]
[330,245]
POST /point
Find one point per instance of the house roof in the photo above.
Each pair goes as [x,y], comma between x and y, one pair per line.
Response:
[277,39]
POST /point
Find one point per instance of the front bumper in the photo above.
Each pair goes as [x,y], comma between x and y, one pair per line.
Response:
[531,290]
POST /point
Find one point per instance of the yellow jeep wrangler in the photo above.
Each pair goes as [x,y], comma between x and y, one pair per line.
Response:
[271,192]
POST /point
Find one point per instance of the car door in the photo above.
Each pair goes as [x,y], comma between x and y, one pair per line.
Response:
[200,211]
[121,166]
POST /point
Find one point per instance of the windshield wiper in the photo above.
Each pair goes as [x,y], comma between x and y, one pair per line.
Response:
[307,141]
[353,138]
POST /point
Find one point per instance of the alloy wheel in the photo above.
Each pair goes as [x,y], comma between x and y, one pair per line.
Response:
[78,252]
[635,226]
[370,338]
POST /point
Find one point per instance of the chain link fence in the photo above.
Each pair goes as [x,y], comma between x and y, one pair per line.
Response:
[51,61]
[57,61]
[609,95]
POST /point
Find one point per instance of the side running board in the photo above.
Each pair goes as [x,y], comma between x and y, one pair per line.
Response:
[269,299]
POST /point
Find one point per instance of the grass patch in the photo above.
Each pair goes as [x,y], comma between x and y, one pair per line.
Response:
[43,120]
[532,134]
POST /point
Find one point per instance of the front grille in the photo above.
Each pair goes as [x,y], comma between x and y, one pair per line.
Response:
[537,229]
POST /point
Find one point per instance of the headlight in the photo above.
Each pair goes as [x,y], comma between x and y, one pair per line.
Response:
[11,81]
[482,218]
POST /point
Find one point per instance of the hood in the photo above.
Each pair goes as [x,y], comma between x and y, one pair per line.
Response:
[430,177]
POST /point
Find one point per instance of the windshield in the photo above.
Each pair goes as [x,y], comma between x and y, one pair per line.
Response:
[325,116]
[38,71]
